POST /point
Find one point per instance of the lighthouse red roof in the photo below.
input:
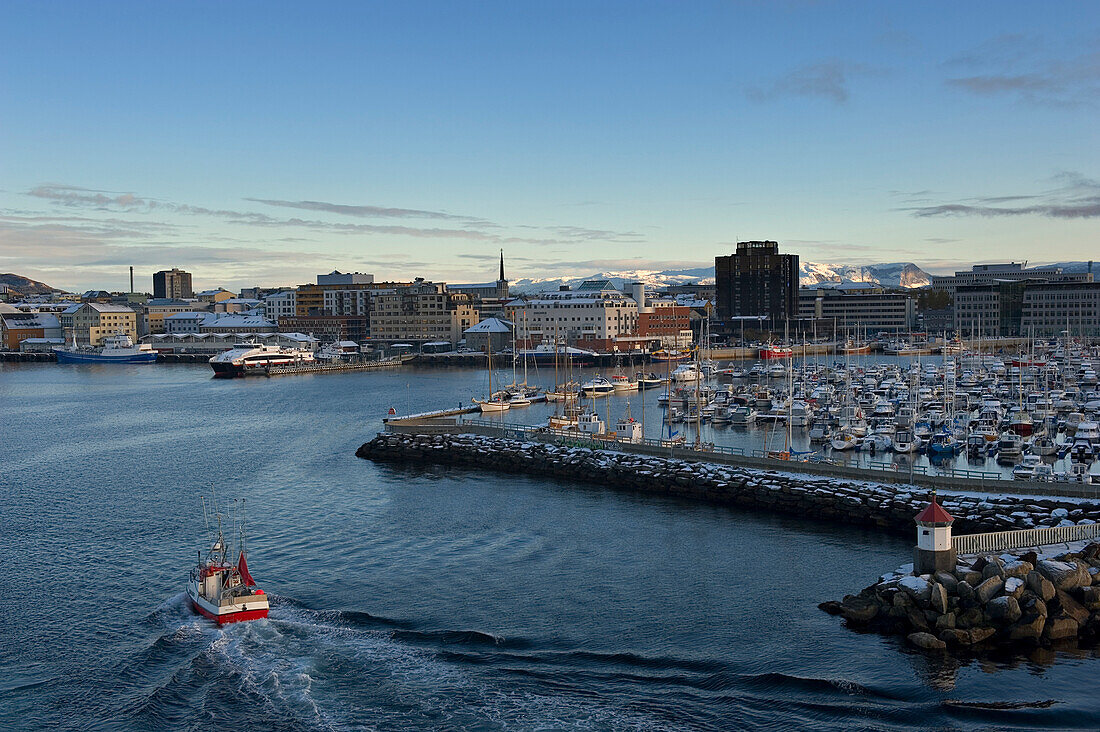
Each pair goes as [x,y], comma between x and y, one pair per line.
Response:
[934,514]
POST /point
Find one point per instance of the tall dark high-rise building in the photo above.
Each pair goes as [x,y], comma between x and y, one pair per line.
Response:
[172,283]
[757,281]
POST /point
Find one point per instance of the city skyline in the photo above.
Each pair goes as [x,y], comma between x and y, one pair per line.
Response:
[267,143]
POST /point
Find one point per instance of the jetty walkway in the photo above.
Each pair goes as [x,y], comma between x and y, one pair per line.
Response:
[460,421]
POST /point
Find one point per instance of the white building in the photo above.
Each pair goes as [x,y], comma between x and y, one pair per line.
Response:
[281,305]
[597,316]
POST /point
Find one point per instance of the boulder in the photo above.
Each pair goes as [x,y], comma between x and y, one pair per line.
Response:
[1018,568]
[1090,597]
[958,637]
[1034,606]
[1014,586]
[1040,585]
[1072,608]
[994,567]
[927,641]
[1003,609]
[971,618]
[1063,575]
[948,580]
[917,621]
[945,621]
[988,589]
[916,587]
[965,590]
[977,635]
[1030,628]
[937,598]
[1060,626]
[969,576]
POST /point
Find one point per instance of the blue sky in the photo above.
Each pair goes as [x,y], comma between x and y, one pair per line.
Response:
[262,143]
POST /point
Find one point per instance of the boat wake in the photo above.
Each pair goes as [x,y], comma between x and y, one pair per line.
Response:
[304,668]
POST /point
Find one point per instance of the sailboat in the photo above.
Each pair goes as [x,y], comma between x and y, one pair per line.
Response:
[494,402]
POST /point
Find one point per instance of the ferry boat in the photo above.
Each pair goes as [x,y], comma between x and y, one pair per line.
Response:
[253,358]
[118,348]
[223,592]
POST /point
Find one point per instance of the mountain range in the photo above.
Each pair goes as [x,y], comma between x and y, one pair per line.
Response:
[811,274]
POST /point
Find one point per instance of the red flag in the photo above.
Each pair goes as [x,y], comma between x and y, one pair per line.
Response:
[242,569]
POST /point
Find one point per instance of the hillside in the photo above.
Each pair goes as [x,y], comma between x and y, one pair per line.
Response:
[24,285]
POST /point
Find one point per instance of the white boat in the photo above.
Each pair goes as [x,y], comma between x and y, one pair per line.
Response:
[496,404]
[254,358]
[1010,447]
[597,386]
[743,415]
[906,442]
[844,441]
[590,423]
[224,592]
[685,372]
[629,430]
[118,348]
[1027,467]
[622,383]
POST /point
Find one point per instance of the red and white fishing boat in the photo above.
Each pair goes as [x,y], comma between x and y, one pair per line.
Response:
[223,592]
[772,351]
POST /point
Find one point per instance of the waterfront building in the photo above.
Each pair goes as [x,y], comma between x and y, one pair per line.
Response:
[216,342]
[1053,308]
[666,322]
[329,328]
[172,283]
[236,323]
[1028,307]
[17,326]
[757,280]
[339,293]
[153,312]
[592,317]
[868,309]
[492,333]
[419,313]
[987,274]
[92,322]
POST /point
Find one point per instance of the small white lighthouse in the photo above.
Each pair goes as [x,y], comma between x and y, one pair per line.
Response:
[934,551]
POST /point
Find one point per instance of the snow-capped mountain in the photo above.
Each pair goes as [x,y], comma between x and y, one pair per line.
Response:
[620,280]
[1074,267]
[899,274]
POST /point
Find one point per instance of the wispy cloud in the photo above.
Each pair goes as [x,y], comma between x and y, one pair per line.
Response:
[827,80]
[475,229]
[1075,197]
[1016,66]
[363,210]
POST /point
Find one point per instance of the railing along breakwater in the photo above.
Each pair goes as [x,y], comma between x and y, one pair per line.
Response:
[869,505]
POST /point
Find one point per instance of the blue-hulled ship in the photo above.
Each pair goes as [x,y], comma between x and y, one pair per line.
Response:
[118,348]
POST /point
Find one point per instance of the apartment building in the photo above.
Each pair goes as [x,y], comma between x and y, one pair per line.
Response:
[419,313]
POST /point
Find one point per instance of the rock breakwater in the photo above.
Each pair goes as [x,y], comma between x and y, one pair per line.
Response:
[869,505]
[991,600]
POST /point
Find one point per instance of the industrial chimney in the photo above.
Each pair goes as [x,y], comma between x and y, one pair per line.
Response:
[131,278]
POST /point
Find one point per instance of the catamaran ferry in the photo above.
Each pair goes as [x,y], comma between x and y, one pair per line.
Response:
[253,358]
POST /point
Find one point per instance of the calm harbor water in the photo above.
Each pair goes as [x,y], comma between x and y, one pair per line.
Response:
[426,598]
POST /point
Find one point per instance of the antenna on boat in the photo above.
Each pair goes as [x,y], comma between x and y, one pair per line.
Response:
[242,526]
[205,517]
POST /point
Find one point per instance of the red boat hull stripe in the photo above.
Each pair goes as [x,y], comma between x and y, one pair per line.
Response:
[229,617]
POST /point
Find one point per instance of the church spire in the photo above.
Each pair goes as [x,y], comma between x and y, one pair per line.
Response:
[501,278]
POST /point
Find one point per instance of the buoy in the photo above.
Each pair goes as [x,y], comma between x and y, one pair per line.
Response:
[392,411]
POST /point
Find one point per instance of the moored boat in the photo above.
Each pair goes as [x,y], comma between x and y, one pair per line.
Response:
[118,348]
[244,359]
